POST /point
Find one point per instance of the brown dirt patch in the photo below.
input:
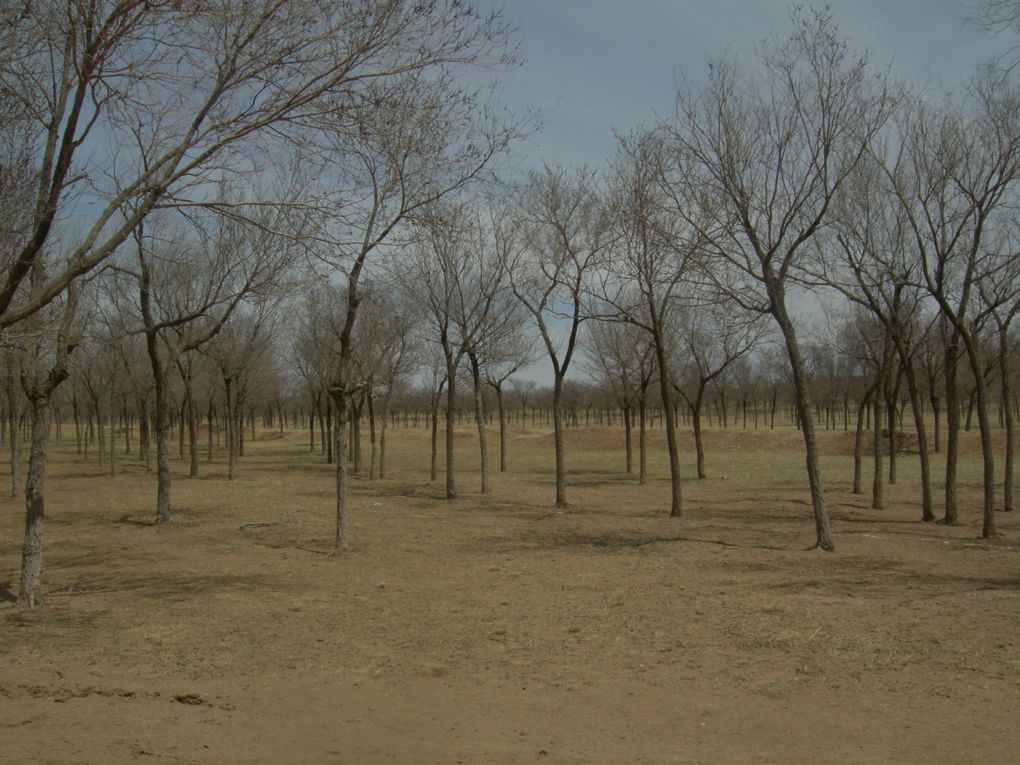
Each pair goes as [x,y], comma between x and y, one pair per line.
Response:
[495,630]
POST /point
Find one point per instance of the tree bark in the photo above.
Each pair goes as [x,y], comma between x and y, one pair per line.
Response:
[32,547]
[823,529]
[483,443]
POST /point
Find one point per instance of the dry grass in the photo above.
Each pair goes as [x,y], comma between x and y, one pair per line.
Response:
[493,629]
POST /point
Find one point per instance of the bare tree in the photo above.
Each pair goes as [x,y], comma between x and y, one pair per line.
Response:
[954,175]
[756,165]
[139,103]
[459,280]
[622,358]
[712,338]
[651,268]
[189,281]
[879,270]
[552,271]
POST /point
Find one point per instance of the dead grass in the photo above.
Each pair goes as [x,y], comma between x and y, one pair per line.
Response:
[493,628]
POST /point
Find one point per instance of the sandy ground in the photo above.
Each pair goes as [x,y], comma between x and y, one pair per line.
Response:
[495,630]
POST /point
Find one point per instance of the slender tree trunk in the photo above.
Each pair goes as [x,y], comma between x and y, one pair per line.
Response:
[877,475]
[113,434]
[669,416]
[561,466]
[951,517]
[699,444]
[341,405]
[859,442]
[823,529]
[434,472]
[502,428]
[382,435]
[209,416]
[371,436]
[988,530]
[232,429]
[627,435]
[917,406]
[483,442]
[451,404]
[1008,420]
[642,444]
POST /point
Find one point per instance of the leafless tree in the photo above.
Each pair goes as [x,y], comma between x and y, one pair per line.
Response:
[954,172]
[189,280]
[458,279]
[711,337]
[563,242]
[651,268]
[137,104]
[878,269]
[622,358]
[756,163]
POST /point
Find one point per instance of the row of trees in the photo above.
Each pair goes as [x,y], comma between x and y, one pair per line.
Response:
[175,177]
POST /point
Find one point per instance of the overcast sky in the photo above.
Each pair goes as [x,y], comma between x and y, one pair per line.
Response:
[595,65]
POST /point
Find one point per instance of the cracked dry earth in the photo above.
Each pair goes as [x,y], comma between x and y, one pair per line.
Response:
[491,629]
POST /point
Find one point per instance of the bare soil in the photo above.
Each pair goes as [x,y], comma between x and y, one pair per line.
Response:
[493,629]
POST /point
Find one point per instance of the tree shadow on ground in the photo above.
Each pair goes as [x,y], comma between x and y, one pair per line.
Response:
[614,540]
[163,586]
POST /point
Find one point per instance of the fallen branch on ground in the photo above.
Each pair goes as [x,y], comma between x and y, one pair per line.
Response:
[275,522]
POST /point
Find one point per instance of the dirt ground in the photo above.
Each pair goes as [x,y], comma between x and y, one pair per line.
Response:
[492,629]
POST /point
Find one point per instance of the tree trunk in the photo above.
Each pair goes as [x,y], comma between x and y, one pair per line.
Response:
[382,435]
[502,428]
[434,472]
[32,547]
[988,530]
[1007,394]
[371,435]
[823,529]
[642,444]
[483,442]
[699,444]
[627,436]
[451,403]
[669,417]
[561,467]
[341,405]
[877,476]
[859,442]
[951,517]
[113,434]
[917,406]
[232,429]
